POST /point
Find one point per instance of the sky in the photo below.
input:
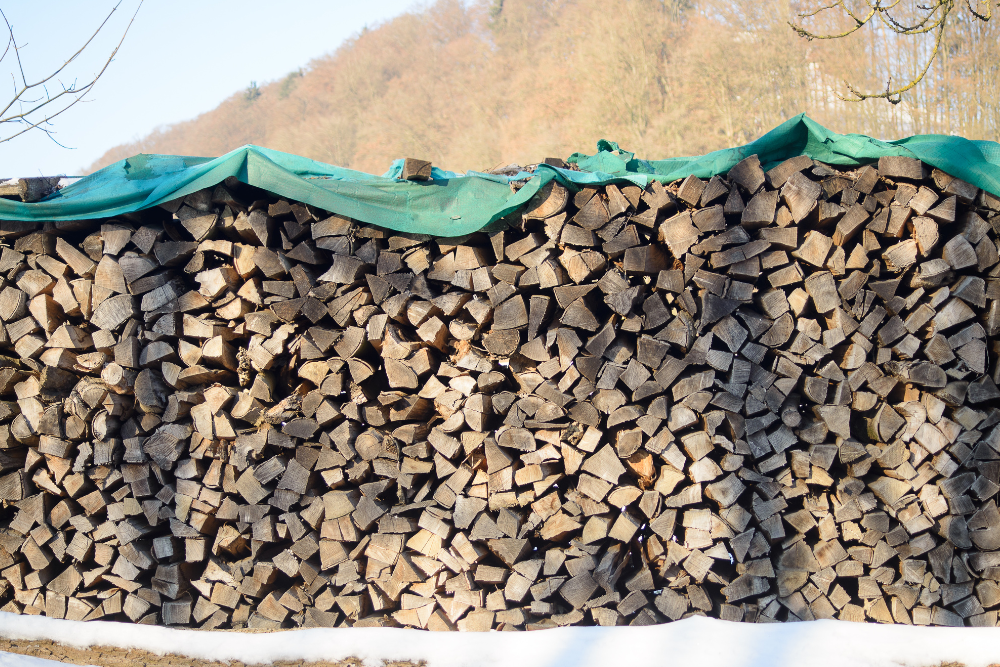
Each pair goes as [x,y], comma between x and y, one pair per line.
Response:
[179,59]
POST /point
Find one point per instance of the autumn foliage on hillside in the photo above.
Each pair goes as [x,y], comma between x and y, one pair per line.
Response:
[474,85]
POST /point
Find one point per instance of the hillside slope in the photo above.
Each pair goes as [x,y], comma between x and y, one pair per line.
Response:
[472,85]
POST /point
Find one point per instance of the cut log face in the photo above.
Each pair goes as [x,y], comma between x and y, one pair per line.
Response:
[415,170]
[764,396]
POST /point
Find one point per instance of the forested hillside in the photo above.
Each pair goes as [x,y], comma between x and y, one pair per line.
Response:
[473,85]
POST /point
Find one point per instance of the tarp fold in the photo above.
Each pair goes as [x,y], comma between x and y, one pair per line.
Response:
[451,204]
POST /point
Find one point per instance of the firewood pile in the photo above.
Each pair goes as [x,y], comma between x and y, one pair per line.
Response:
[765,397]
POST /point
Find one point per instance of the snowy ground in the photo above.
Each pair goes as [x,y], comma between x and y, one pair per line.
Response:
[695,642]
[14,660]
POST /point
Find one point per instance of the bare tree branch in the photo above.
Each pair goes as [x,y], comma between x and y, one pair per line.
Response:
[982,17]
[934,19]
[25,111]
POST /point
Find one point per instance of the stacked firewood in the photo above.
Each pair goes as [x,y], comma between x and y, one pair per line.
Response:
[764,397]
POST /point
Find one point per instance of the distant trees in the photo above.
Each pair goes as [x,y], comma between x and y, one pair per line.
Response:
[898,19]
[252,92]
[471,84]
[37,100]
[288,83]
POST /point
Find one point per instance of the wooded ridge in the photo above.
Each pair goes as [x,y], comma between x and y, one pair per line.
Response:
[359,107]
[765,397]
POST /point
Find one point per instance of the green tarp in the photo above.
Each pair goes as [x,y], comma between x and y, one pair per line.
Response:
[451,204]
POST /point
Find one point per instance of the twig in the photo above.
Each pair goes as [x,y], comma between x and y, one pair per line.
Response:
[934,20]
[25,118]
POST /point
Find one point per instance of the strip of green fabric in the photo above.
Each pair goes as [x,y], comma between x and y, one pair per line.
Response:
[452,205]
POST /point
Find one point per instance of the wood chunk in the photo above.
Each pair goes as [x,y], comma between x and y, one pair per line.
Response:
[814,249]
[415,170]
[748,174]
[593,215]
[903,255]
[550,200]
[690,190]
[895,167]
[761,210]
[823,291]
[800,195]
[959,253]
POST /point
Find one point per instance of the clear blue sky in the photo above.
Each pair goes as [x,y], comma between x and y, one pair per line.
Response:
[181,58]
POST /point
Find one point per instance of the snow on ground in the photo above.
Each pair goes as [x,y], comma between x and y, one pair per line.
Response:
[15,660]
[694,642]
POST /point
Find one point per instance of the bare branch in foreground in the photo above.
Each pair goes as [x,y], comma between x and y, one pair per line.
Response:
[932,20]
[32,105]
